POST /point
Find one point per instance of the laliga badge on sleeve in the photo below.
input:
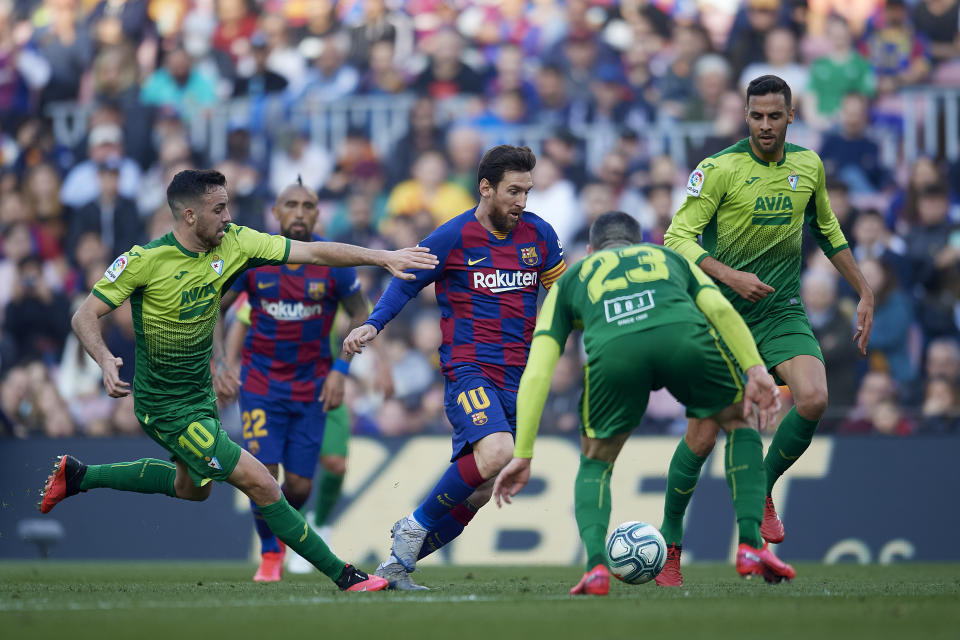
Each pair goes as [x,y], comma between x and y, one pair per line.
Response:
[695,183]
[114,270]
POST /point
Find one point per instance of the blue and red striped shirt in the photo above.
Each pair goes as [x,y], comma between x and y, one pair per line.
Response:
[487,290]
[287,354]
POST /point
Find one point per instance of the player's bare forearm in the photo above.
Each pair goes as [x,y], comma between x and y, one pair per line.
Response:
[86,324]
[233,343]
[747,285]
[844,262]
[336,254]
[357,307]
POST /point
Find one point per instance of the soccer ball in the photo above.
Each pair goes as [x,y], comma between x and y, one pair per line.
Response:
[636,552]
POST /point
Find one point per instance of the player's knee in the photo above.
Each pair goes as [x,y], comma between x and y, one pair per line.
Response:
[701,441]
[336,465]
[812,402]
[297,488]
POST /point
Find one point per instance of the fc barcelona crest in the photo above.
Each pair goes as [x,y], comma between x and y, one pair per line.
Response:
[529,256]
[479,418]
[316,289]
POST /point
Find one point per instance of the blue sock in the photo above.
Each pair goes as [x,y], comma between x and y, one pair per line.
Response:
[448,527]
[268,541]
[457,483]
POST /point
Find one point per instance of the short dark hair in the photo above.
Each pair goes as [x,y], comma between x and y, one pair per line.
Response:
[498,160]
[765,85]
[191,184]
[614,228]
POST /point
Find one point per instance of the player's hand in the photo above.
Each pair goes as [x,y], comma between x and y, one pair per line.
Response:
[116,388]
[864,323]
[511,479]
[761,395]
[358,338]
[397,262]
[226,383]
[331,394]
[749,286]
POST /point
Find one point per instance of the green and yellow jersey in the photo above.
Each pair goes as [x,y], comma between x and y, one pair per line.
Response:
[617,291]
[750,216]
[175,297]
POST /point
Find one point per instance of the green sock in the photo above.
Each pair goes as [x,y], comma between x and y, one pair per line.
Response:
[682,479]
[591,499]
[288,525]
[791,440]
[328,493]
[743,459]
[146,475]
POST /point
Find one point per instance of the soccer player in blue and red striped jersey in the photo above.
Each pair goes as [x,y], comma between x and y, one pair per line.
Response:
[288,378]
[493,259]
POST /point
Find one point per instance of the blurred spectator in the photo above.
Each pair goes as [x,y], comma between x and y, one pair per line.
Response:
[509,74]
[357,167]
[36,320]
[208,61]
[382,75]
[711,81]
[294,155]
[564,148]
[329,77]
[114,83]
[41,191]
[888,419]
[152,194]
[321,20]
[262,81]
[903,206]
[613,172]
[249,198]
[658,211]
[23,70]
[423,134]
[841,71]
[464,148]
[938,21]
[851,154]
[941,407]
[876,388]
[111,215]
[30,403]
[609,102]
[779,59]
[554,199]
[362,229]
[447,76]
[933,246]
[553,103]
[729,127]
[36,143]
[870,238]
[179,85]
[105,142]
[380,24]
[596,198]
[66,45]
[834,332]
[561,414]
[676,85]
[943,360]
[429,190]
[117,22]
[897,55]
[235,25]
[284,58]
[745,45]
[892,321]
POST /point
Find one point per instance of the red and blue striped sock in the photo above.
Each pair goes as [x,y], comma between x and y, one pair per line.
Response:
[449,527]
[457,483]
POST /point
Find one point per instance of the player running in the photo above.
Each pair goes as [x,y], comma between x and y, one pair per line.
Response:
[749,204]
[288,379]
[492,260]
[174,284]
[650,319]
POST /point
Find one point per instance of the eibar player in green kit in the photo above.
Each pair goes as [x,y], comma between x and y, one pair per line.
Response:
[749,203]
[650,319]
[174,284]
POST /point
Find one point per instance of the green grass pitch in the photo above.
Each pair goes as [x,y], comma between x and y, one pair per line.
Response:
[73,601]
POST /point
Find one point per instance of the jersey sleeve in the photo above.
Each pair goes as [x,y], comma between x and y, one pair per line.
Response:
[347,282]
[399,292]
[127,273]
[706,190]
[553,264]
[820,219]
[240,284]
[262,248]
[556,319]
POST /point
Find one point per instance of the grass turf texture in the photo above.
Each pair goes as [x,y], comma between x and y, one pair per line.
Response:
[154,600]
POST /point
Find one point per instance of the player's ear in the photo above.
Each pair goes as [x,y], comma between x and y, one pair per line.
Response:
[486,189]
[790,115]
[589,249]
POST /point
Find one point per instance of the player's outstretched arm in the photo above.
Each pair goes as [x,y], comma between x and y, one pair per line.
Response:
[844,262]
[336,254]
[86,324]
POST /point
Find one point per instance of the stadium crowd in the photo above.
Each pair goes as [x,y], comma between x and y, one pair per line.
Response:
[140,74]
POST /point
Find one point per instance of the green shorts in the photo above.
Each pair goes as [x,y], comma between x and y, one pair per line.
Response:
[785,336]
[337,432]
[690,360]
[196,439]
